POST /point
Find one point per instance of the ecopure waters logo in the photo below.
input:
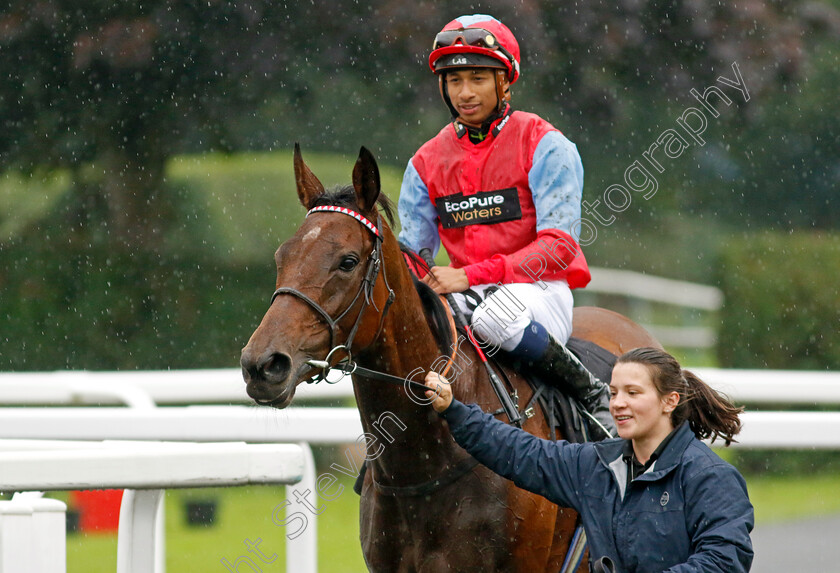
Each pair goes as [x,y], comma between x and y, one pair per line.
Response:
[474,201]
[458,210]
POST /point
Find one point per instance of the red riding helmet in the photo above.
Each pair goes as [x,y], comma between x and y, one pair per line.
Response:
[476,41]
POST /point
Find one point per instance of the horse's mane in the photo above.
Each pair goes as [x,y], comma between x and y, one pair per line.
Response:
[345,196]
[436,313]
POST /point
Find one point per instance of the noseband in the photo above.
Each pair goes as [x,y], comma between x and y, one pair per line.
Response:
[374,263]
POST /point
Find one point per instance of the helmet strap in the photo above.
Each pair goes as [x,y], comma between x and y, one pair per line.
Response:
[502,92]
[488,123]
[444,93]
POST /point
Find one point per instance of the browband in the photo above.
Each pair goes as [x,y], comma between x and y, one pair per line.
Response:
[360,218]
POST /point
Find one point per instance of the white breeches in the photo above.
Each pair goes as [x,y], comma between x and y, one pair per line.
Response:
[501,318]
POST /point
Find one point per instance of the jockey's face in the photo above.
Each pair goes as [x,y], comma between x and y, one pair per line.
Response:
[473,94]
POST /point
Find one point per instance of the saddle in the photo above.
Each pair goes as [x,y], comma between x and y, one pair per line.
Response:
[561,411]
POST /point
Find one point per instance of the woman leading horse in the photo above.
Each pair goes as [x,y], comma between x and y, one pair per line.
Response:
[426,506]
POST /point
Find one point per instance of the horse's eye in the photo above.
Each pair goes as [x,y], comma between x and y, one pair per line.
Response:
[348,263]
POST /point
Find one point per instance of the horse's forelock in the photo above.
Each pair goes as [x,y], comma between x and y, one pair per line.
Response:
[345,196]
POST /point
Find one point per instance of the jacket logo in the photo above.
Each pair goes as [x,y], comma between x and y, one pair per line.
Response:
[663,501]
[484,207]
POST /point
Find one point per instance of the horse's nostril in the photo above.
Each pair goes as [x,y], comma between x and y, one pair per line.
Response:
[249,365]
[276,367]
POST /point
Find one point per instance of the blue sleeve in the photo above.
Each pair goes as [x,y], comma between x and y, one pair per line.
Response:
[556,180]
[418,216]
[540,466]
[719,519]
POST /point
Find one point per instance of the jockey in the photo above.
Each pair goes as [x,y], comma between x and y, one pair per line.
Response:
[502,190]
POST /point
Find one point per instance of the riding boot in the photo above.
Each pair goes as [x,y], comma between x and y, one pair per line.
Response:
[554,364]
[562,368]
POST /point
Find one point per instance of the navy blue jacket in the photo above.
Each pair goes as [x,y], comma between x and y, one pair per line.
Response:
[688,512]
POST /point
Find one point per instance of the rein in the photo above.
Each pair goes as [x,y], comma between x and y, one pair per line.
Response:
[350,367]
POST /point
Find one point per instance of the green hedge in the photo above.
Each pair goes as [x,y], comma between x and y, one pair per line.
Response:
[781,311]
[781,302]
[69,300]
[95,309]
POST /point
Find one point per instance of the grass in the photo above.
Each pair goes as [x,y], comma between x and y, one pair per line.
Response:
[25,198]
[245,513]
[789,498]
[239,207]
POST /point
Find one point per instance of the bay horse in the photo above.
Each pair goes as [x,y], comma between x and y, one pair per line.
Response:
[342,281]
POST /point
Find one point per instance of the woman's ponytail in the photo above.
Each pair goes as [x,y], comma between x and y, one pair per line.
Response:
[709,414]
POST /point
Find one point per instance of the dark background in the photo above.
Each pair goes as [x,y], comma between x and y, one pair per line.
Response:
[107,93]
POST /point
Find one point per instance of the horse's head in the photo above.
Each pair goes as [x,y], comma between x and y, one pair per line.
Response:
[329,292]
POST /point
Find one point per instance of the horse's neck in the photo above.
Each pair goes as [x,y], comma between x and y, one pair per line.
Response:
[406,348]
[414,436]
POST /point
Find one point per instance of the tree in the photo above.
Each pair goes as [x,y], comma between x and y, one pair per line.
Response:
[121,85]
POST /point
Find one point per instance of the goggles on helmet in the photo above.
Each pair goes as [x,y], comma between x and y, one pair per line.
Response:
[467,36]
[477,37]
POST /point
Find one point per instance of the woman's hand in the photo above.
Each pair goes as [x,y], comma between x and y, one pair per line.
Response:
[445,280]
[440,390]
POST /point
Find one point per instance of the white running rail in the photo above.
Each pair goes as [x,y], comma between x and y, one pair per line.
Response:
[32,536]
[327,425]
[225,386]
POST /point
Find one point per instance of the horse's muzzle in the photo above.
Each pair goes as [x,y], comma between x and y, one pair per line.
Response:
[267,375]
[271,366]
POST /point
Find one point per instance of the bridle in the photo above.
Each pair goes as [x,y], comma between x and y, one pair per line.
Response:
[374,263]
[347,366]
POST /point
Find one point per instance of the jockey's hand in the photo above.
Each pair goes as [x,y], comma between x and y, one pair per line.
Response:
[444,280]
[440,386]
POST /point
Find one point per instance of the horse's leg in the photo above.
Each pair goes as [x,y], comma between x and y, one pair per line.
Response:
[441,531]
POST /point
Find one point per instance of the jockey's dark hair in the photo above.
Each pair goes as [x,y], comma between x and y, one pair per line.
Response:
[345,196]
[709,413]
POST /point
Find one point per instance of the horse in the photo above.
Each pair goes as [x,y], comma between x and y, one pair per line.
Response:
[426,505]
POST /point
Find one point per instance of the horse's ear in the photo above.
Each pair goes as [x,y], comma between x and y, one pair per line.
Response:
[366,180]
[308,186]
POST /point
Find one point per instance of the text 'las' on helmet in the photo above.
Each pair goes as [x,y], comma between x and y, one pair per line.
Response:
[476,41]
